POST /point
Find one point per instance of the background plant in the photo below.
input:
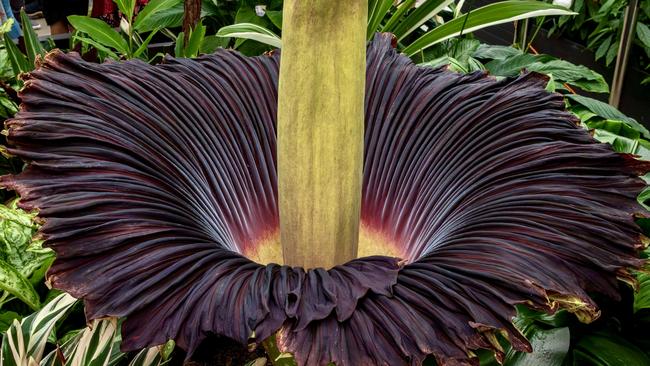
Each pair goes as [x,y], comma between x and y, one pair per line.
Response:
[598,24]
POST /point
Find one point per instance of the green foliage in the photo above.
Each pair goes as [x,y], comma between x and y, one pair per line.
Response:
[33,47]
[417,26]
[159,14]
[25,341]
[22,261]
[103,36]
[125,43]
[603,349]
[250,31]
[599,23]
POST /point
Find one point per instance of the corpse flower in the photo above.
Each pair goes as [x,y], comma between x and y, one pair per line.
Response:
[158,188]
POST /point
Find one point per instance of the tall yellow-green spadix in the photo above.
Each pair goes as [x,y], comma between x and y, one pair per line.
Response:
[320,130]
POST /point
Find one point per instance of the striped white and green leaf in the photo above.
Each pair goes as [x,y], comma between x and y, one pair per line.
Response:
[251,31]
[24,342]
[486,16]
[97,345]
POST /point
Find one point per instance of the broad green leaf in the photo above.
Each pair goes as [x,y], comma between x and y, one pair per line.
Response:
[16,284]
[512,66]
[100,32]
[452,63]
[275,16]
[608,112]
[494,52]
[32,45]
[550,348]
[624,144]
[211,43]
[377,10]
[251,31]
[619,128]
[246,14]
[158,14]
[643,32]
[24,342]
[492,14]
[423,13]
[18,60]
[577,75]
[608,350]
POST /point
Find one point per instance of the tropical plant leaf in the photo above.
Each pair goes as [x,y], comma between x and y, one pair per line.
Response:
[377,10]
[606,111]
[96,345]
[250,31]
[578,75]
[550,348]
[486,16]
[127,7]
[195,40]
[32,44]
[100,47]
[643,33]
[18,60]
[20,259]
[399,12]
[495,52]
[159,14]
[24,342]
[423,13]
[211,43]
[160,198]
[512,66]
[16,284]
[275,16]
[608,350]
[100,32]
[642,298]
[153,356]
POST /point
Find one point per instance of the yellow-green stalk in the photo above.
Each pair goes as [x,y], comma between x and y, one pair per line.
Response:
[320,130]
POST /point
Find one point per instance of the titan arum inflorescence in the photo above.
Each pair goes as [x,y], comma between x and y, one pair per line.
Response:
[158,190]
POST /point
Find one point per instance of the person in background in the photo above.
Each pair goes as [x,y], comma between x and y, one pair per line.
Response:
[57,11]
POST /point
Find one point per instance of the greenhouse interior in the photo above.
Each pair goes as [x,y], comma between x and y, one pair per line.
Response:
[325,182]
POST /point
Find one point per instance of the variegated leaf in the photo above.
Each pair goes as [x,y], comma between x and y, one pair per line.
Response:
[24,342]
